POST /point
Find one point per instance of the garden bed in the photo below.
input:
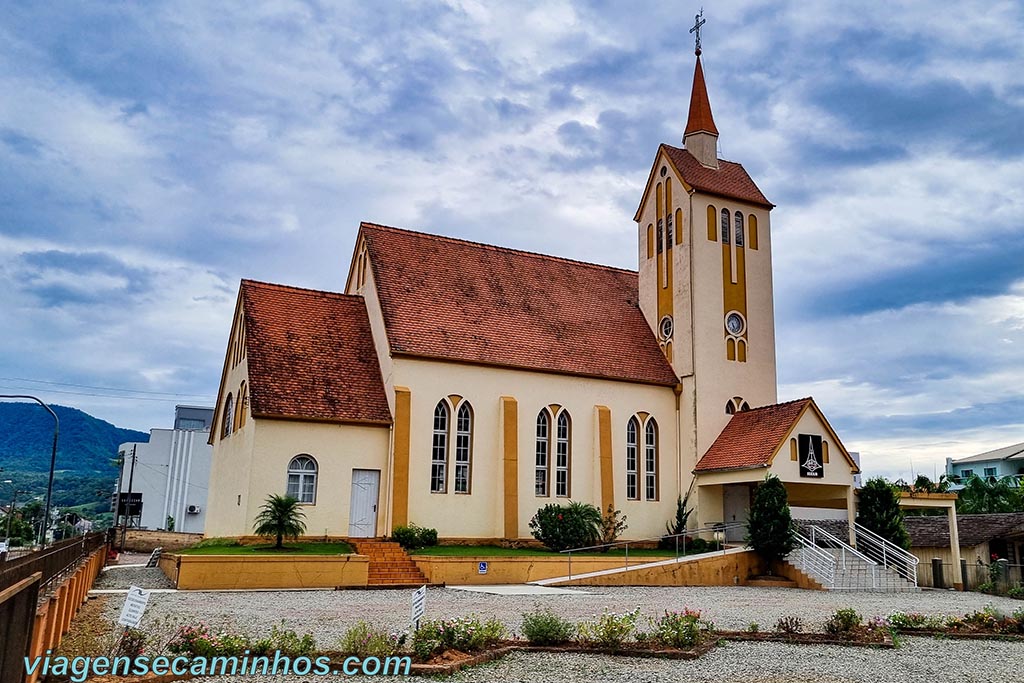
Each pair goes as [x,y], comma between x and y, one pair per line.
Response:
[860,637]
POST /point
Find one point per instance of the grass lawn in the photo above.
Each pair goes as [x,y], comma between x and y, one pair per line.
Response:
[289,549]
[496,551]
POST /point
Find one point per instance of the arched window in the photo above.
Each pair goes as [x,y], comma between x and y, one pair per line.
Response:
[463,447]
[439,450]
[243,403]
[725,226]
[302,479]
[730,407]
[632,430]
[543,434]
[739,229]
[651,460]
[227,419]
[562,443]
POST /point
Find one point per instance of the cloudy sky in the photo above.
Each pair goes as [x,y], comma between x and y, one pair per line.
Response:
[151,154]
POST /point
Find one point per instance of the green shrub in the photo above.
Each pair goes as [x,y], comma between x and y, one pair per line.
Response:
[544,627]
[465,634]
[199,641]
[413,537]
[218,543]
[563,527]
[677,526]
[789,625]
[613,523]
[753,627]
[987,587]
[1017,592]
[609,629]
[290,643]
[363,640]
[678,629]
[132,644]
[903,620]
[843,621]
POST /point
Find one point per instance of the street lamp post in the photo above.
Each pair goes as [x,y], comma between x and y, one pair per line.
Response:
[53,462]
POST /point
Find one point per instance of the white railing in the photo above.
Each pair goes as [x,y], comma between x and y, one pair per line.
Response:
[822,538]
[815,562]
[886,553]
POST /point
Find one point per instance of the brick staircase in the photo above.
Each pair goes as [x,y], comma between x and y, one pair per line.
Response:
[389,564]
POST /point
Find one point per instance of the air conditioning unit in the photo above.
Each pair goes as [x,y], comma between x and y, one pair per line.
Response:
[192,509]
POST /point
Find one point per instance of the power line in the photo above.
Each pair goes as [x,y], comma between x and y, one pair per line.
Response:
[111,396]
[89,386]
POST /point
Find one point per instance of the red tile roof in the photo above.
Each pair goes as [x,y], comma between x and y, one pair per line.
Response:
[752,437]
[311,355]
[462,301]
[728,180]
[700,118]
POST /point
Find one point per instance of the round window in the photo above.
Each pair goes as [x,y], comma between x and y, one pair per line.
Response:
[734,323]
[665,327]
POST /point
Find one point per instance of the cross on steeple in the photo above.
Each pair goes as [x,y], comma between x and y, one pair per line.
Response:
[698,21]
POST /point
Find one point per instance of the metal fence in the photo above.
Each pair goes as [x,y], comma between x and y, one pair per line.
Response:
[1003,576]
[53,563]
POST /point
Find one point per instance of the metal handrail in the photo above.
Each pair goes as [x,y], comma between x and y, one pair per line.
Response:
[717,528]
[814,560]
[843,546]
[888,553]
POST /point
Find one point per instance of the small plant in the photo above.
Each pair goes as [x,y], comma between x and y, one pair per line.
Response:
[169,523]
[753,627]
[280,518]
[1017,592]
[677,526]
[414,537]
[563,527]
[843,621]
[609,629]
[678,629]
[132,644]
[290,643]
[613,523]
[914,620]
[199,641]
[218,543]
[465,634]
[789,625]
[987,587]
[544,627]
[363,640]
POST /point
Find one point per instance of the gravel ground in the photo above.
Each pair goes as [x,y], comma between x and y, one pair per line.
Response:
[115,577]
[327,614]
[918,660]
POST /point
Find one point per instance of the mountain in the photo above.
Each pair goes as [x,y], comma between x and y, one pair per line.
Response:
[87,445]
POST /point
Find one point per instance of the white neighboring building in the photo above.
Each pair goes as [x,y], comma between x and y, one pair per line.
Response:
[172,471]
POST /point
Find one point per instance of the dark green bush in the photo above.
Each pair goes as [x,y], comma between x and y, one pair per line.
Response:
[563,527]
[544,627]
[413,537]
[843,621]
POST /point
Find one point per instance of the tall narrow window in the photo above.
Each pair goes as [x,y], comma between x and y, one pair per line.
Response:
[227,419]
[632,429]
[739,229]
[243,403]
[651,460]
[463,447]
[439,450]
[725,226]
[661,236]
[562,440]
[668,231]
[541,487]
[302,479]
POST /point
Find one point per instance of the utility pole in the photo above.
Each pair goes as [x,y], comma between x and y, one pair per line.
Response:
[117,500]
[128,510]
[53,462]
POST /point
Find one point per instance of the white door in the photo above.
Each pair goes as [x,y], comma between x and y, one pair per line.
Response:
[362,513]
[736,505]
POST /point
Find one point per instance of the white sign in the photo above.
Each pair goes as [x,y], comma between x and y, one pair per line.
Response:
[134,606]
[419,604]
[481,568]
[3,546]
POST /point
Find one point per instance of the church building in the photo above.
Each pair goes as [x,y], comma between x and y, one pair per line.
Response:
[463,386]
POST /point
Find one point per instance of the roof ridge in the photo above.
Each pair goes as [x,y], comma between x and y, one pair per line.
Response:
[293,288]
[720,159]
[497,248]
[778,405]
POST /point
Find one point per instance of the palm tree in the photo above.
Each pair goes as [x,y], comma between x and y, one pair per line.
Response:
[980,496]
[280,517]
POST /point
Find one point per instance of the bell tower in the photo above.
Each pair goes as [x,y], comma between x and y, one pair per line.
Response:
[705,275]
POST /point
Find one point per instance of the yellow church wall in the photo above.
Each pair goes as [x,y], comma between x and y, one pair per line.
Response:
[719,379]
[481,513]
[380,337]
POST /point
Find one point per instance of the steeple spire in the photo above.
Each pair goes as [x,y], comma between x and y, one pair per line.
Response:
[701,136]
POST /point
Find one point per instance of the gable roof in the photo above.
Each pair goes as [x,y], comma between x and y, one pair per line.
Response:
[752,437]
[311,355]
[729,180]
[1015,452]
[450,299]
[972,529]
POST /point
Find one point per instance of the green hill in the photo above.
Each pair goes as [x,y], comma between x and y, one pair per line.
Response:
[86,455]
